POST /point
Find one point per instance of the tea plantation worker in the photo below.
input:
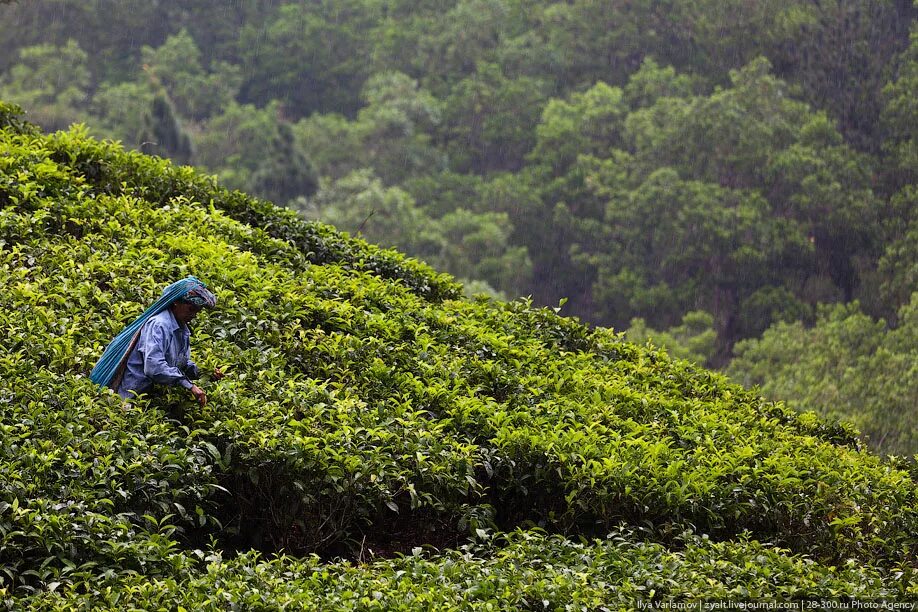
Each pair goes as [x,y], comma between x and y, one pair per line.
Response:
[156,347]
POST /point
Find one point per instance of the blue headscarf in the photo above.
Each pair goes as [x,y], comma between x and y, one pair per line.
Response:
[189,290]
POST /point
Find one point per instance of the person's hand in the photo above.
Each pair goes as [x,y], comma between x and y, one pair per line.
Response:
[199,395]
[218,374]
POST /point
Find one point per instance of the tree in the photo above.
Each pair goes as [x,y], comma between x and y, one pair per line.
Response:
[474,246]
[463,37]
[676,245]
[334,144]
[590,123]
[234,143]
[489,117]
[395,127]
[254,149]
[285,173]
[196,93]
[898,267]
[162,133]
[839,55]
[51,82]
[835,54]
[477,246]
[741,198]
[391,133]
[599,40]
[848,366]
[362,205]
[653,81]
[310,57]
[900,119]
[693,339]
[121,108]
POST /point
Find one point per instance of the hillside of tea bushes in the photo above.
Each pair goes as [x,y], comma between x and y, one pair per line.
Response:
[378,441]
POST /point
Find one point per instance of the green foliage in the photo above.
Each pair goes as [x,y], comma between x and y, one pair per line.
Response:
[850,83]
[899,265]
[768,306]
[725,232]
[472,245]
[791,121]
[359,203]
[123,110]
[251,149]
[653,81]
[647,161]
[395,126]
[367,408]
[285,173]
[847,366]
[236,142]
[899,114]
[488,117]
[589,124]
[391,134]
[835,53]
[741,202]
[51,81]
[322,66]
[11,118]
[693,339]
[520,571]
[477,245]
[162,133]
[196,92]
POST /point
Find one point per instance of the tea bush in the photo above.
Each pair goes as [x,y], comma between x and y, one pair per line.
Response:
[527,571]
[369,410]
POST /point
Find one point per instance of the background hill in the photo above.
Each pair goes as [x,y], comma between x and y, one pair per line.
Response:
[517,459]
[694,172]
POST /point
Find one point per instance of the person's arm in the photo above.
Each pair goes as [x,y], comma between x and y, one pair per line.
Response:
[191,371]
[155,367]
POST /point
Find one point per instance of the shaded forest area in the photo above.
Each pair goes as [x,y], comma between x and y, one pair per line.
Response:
[733,180]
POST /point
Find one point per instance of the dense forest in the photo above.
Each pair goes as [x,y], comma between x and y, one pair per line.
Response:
[735,181]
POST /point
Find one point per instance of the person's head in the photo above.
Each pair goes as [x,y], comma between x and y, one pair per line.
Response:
[185,312]
[195,299]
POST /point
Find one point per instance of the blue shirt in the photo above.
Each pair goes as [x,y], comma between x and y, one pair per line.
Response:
[162,355]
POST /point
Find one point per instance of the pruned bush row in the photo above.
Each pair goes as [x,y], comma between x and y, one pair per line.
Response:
[113,171]
[520,572]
